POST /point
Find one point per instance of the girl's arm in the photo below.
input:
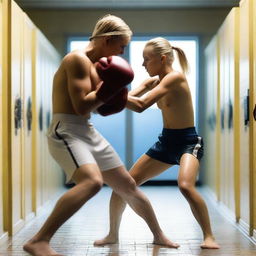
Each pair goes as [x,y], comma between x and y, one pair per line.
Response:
[139,104]
[145,87]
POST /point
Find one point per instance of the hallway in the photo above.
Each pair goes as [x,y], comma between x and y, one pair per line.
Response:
[77,235]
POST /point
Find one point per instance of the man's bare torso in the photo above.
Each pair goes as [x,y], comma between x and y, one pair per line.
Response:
[60,94]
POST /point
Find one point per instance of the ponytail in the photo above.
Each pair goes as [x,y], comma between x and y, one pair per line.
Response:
[182,59]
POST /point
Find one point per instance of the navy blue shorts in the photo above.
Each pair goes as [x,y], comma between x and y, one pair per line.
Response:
[173,143]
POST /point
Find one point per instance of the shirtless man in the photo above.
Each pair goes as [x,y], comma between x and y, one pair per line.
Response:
[86,157]
[178,144]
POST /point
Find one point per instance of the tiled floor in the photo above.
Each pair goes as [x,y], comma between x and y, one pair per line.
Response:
[76,236]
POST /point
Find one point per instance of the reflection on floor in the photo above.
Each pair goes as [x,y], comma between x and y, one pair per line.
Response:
[76,236]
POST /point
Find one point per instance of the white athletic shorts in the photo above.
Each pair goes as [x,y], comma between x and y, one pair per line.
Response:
[73,141]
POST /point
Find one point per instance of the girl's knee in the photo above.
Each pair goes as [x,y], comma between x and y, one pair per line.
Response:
[129,188]
[185,187]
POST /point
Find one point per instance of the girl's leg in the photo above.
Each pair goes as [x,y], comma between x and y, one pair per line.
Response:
[187,178]
[144,169]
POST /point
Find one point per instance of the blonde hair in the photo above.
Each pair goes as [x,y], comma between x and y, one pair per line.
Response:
[110,25]
[162,46]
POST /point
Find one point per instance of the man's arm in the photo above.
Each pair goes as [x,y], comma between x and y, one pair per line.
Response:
[79,84]
[139,104]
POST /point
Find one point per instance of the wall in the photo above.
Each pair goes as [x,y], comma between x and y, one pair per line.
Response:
[60,24]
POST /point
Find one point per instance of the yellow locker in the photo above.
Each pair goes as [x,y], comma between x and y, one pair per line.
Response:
[28,48]
[7,211]
[211,135]
[3,234]
[1,123]
[48,175]
[245,82]
[236,112]
[16,180]
[36,122]
[228,73]
[22,141]
[253,110]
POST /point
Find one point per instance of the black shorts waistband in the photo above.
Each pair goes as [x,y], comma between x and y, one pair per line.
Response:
[190,131]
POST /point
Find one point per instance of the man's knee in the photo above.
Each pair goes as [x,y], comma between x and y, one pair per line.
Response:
[92,184]
[96,183]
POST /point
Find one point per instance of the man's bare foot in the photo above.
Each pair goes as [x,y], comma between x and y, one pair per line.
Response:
[107,240]
[209,243]
[164,241]
[39,248]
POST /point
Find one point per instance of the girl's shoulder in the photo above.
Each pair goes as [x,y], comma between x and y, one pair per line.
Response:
[173,77]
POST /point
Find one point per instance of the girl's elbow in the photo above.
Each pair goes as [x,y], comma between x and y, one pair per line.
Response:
[141,108]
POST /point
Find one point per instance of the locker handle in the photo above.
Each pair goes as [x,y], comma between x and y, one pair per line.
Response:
[230,115]
[254,112]
[41,118]
[246,108]
[29,114]
[17,114]
[222,119]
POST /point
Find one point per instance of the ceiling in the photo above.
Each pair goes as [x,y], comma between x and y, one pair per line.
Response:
[120,4]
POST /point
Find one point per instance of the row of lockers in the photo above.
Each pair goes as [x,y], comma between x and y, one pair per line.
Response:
[230,116]
[28,175]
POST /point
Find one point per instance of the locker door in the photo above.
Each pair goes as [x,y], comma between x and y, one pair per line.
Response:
[211,156]
[3,235]
[253,110]
[27,117]
[245,74]
[41,101]
[36,121]
[231,101]
[236,112]
[228,82]
[16,117]
[223,113]
[43,89]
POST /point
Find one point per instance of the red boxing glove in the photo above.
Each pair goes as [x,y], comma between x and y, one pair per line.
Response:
[116,73]
[116,104]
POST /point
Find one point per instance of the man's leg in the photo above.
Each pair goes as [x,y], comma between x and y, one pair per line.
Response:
[187,178]
[88,181]
[123,185]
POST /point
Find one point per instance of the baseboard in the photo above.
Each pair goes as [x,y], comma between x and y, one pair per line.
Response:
[244,226]
[241,225]
[3,238]
[254,236]
[18,226]
[29,217]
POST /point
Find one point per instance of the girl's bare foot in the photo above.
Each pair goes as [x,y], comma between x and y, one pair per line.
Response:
[109,239]
[164,241]
[209,243]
